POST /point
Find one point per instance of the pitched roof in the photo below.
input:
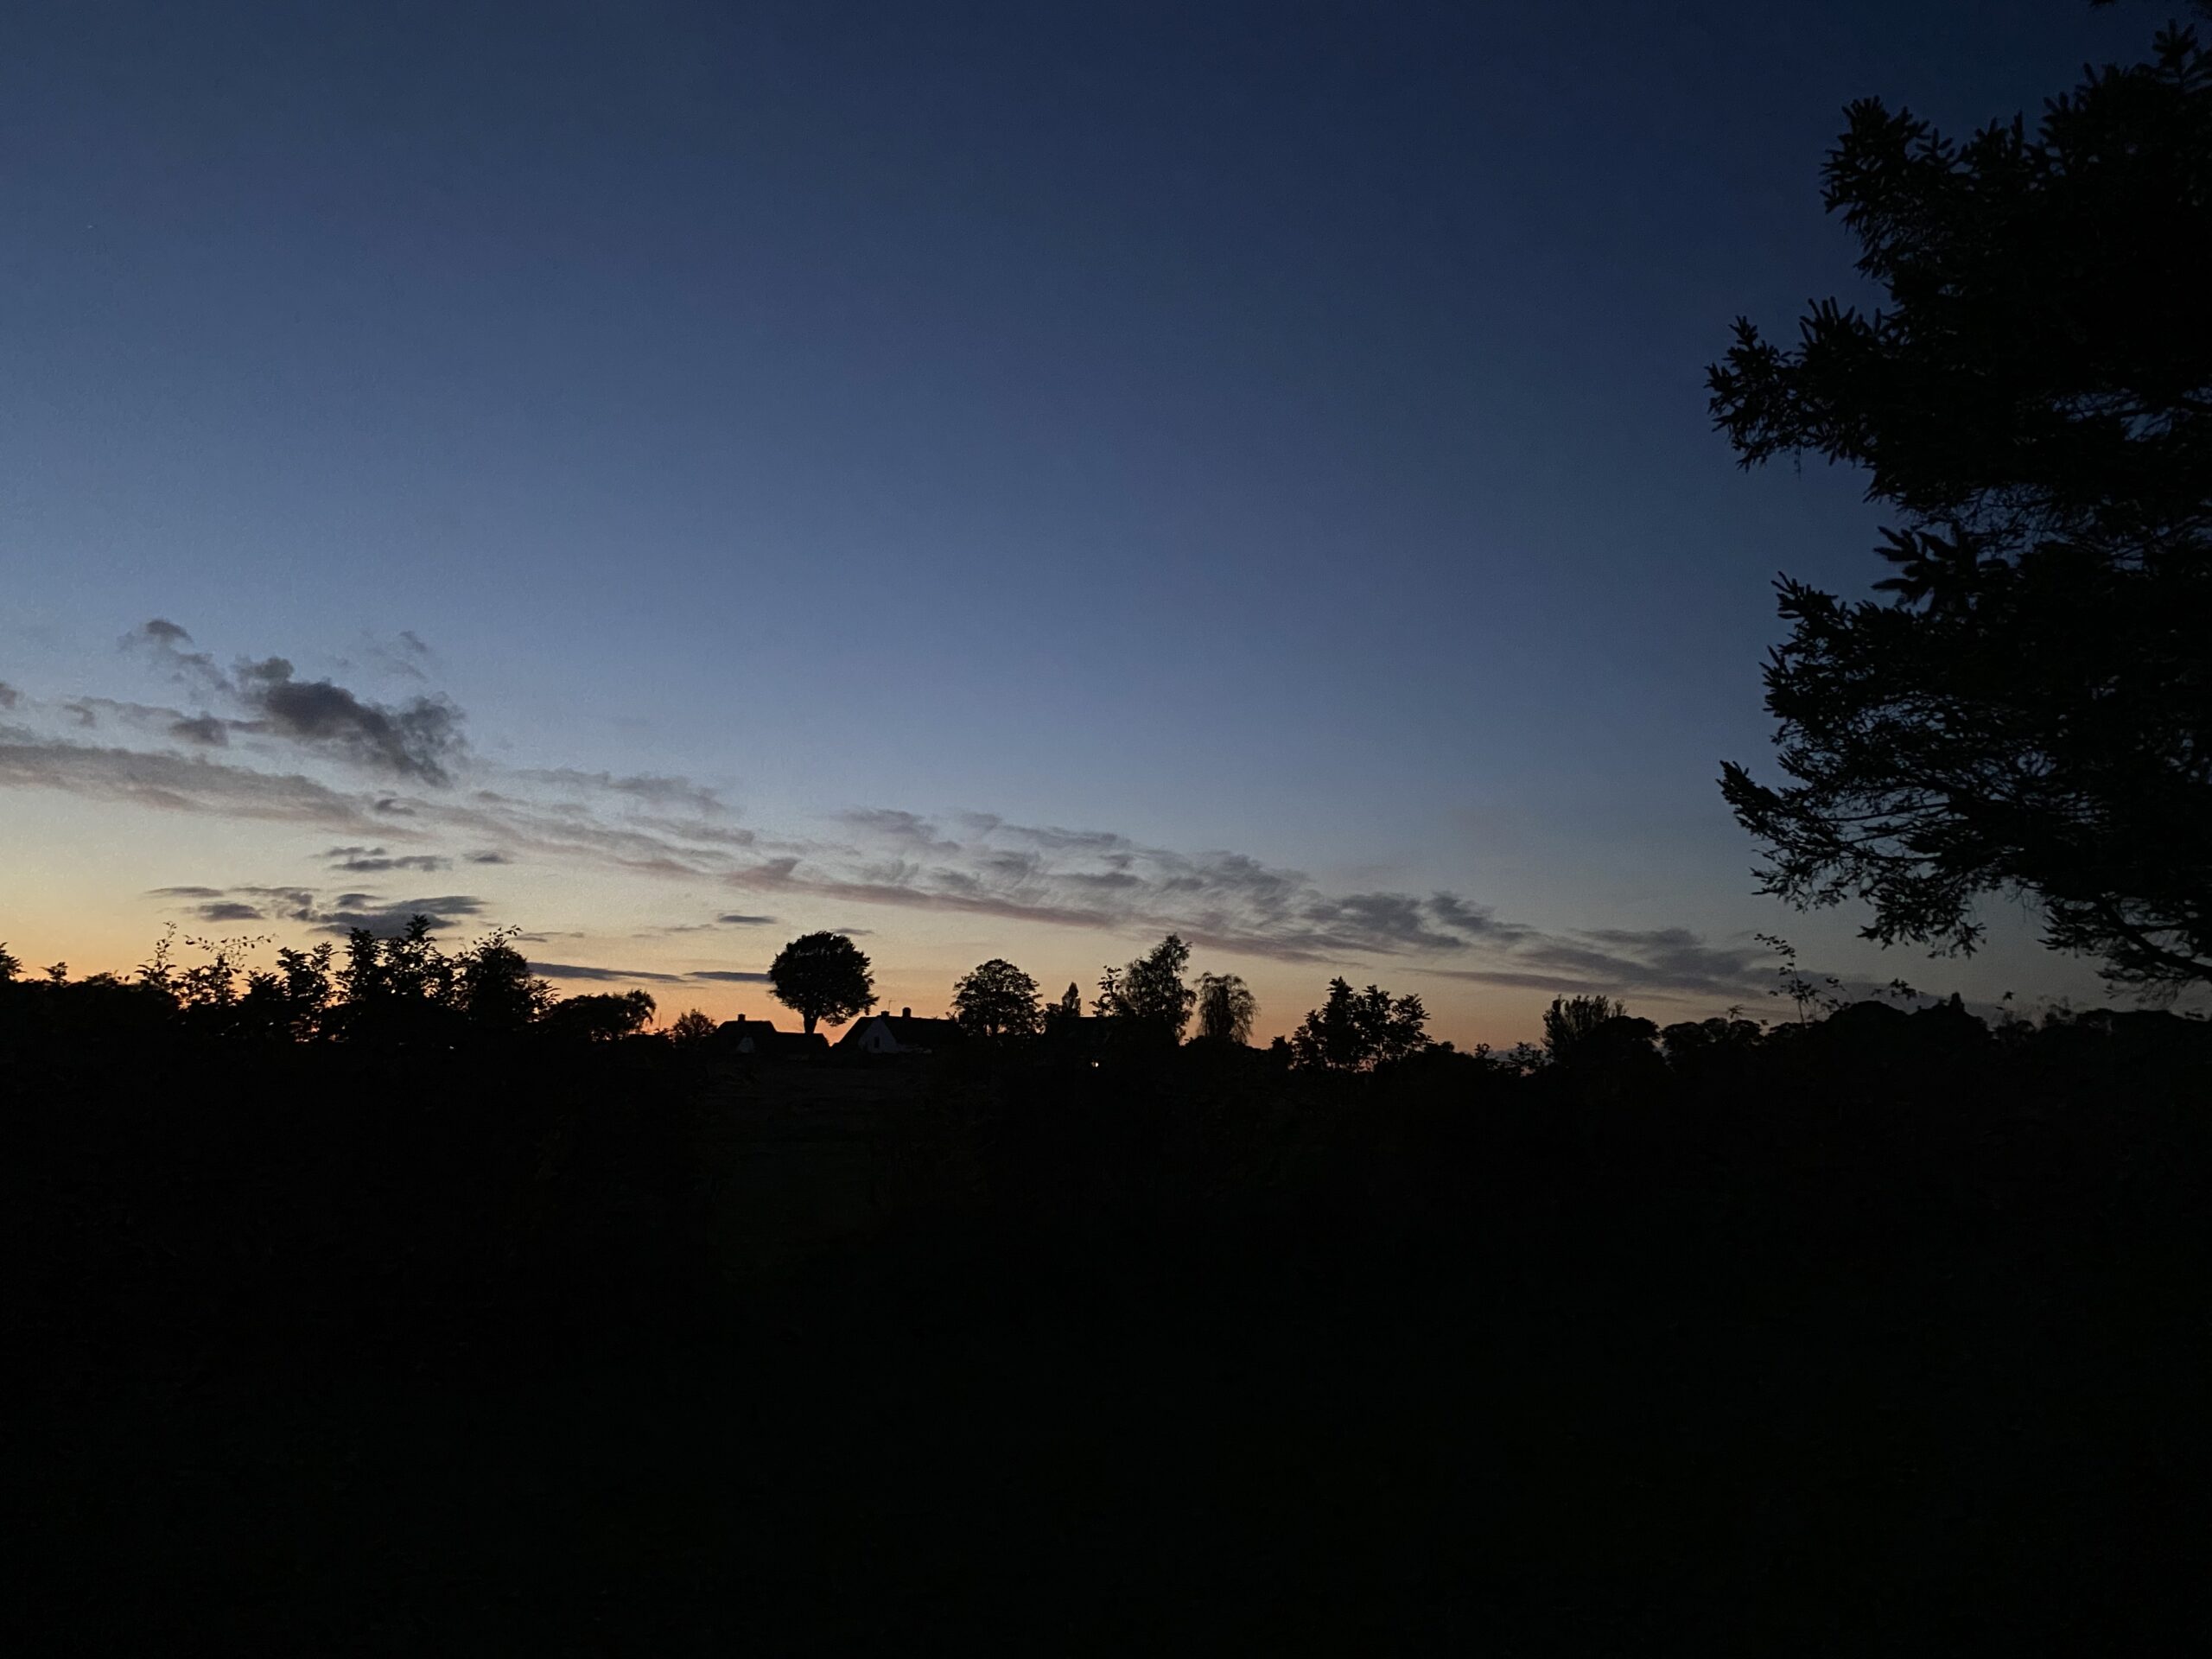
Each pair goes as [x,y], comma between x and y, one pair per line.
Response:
[741,1026]
[765,1038]
[907,1030]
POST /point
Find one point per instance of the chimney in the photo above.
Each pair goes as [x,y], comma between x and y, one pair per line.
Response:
[905,1014]
[741,1019]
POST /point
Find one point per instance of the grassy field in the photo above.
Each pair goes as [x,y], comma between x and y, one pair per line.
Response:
[630,1358]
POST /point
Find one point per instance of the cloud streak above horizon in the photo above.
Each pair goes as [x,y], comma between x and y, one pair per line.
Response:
[337,756]
[642,975]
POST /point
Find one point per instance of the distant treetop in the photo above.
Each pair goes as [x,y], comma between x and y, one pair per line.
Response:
[823,977]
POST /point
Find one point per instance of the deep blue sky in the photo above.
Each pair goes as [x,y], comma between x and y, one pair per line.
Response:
[1274,429]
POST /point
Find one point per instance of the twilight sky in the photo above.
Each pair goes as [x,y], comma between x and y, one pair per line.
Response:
[1003,479]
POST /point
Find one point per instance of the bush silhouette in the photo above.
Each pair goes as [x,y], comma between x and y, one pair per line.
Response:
[1359,1031]
[996,999]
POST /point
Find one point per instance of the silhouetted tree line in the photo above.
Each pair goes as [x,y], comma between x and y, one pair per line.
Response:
[247,1210]
[402,992]
[406,993]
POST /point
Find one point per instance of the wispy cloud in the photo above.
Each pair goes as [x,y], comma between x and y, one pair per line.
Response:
[654,788]
[383,917]
[164,642]
[334,913]
[422,801]
[174,783]
[577,971]
[1106,880]
[228,910]
[420,739]
[403,654]
[499,827]
[1667,960]
[981,865]
[373,859]
[293,903]
[641,975]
